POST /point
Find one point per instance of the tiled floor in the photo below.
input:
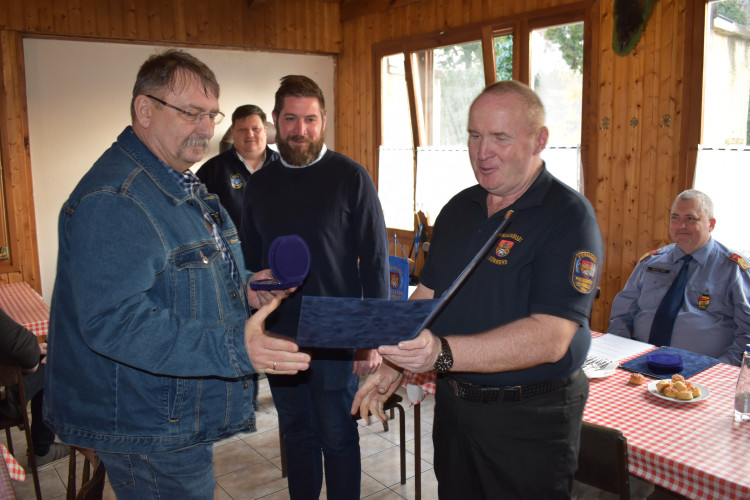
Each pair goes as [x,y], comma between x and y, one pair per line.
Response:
[248,466]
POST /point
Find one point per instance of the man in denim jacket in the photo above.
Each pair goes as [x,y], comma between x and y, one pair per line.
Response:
[151,351]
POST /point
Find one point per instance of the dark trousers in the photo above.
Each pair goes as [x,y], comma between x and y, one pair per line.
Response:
[33,384]
[524,449]
[314,413]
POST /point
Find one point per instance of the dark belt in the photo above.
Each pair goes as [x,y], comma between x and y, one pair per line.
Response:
[469,391]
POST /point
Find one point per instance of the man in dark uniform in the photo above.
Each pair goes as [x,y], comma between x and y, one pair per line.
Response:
[509,346]
[228,173]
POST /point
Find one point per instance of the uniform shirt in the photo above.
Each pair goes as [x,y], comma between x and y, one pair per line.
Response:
[546,262]
[715,315]
[227,176]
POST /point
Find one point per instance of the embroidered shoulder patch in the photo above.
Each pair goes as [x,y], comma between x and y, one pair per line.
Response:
[740,260]
[583,276]
[648,254]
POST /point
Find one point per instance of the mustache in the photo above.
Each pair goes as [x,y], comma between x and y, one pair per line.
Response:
[192,142]
[299,138]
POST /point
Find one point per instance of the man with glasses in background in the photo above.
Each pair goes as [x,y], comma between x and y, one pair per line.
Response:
[151,351]
[711,310]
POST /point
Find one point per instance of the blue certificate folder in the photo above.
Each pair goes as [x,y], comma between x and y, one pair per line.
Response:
[339,322]
[369,323]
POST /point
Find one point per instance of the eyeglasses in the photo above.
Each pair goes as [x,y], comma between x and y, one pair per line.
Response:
[215,116]
[688,219]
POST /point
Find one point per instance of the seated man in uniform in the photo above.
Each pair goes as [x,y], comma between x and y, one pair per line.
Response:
[714,316]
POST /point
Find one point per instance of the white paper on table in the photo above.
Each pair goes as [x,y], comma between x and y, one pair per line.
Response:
[612,347]
[607,351]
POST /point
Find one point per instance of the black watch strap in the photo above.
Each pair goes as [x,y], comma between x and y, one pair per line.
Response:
[444,361]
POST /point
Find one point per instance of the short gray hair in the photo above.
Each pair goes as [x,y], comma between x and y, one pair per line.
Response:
[707,206]
[534,107]
[172,69]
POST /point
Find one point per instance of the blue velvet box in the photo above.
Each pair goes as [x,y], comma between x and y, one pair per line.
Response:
[289,260]
[664,363]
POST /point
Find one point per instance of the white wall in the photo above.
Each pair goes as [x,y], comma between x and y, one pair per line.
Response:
[79,101]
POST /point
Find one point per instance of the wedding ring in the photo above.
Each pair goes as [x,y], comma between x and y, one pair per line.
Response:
[274,366]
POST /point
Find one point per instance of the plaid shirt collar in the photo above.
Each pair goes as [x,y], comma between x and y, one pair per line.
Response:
[191,184]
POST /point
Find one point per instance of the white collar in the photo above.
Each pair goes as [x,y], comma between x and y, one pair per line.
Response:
[247,165]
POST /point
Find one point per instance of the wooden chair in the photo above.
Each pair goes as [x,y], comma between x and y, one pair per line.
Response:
[603,459]
[92,486]
[11,375]
[393,403]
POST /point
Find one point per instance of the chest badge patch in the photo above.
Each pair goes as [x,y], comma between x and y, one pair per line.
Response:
[704,301]
[583,276]
[236,181]
[503,248]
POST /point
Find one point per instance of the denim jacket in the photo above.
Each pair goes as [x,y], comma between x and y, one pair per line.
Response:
[146,346]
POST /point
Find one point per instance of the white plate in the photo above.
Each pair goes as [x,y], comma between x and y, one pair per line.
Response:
[704,393]
[606,372]
[600,371]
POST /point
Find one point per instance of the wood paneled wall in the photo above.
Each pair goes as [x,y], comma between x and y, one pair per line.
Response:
[644,161]
[635,166]
[20,220]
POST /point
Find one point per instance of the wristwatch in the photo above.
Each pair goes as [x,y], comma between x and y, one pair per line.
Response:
[444,361]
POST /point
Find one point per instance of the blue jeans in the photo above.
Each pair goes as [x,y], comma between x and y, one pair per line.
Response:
[186,474]
[314,414]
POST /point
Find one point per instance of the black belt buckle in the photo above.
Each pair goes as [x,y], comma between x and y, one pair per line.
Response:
[489,394]
[514,393]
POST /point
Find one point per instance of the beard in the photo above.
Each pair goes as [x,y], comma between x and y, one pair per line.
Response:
[296,156]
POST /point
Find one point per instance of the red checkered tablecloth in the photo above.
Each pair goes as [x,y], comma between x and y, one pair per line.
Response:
[425,381]
[695,449]
[15,470]
[23,304]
